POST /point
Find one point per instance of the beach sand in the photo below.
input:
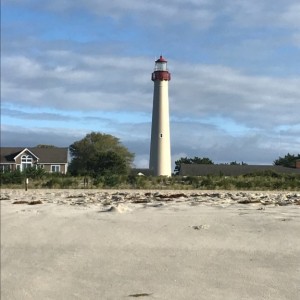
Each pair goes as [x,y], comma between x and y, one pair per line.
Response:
[174,250]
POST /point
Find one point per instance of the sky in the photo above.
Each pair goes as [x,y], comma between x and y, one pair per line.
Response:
[72,67]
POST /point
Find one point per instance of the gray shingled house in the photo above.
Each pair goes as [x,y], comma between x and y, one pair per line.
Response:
[231,170]
[51,159]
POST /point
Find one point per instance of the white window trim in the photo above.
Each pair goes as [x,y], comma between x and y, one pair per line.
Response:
[26,150]
[26,160]
[56,166]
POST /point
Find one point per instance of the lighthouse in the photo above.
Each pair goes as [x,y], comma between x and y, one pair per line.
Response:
[160,149]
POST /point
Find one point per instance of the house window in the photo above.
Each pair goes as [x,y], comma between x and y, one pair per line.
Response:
[55,168]
[26,162]
[5,168]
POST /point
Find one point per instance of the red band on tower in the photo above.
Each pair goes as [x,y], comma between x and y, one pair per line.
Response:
[161,75]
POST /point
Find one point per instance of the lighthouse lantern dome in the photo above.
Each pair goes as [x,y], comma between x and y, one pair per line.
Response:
[161,64]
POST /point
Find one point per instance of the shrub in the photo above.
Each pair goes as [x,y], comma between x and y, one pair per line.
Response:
[111,180]
[34,173]
[207,183]
[14,177]
[66,183]
[98,181]
[52,183]
[141,182]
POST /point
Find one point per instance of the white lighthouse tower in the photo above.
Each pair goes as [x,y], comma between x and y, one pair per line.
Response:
[160,150]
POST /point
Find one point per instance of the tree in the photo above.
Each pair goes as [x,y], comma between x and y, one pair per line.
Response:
[202,161]
[235,163]
[108,163]
[195,160]
[99,154]
[288,160]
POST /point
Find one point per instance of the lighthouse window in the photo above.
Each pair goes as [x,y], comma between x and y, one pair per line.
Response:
[161,66]
[160,135]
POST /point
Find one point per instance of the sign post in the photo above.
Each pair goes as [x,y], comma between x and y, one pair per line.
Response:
[26,184]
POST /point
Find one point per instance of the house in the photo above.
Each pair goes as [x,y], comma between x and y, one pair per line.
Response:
[231,170]
[51,159]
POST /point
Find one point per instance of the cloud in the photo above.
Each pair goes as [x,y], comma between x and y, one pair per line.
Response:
[296,39]
[187,139]
[256,147]
[199,13]
[19,114]
[250,100]
[86,65]
[234,33]
[156,12]
[80,82]
[18,136]
[112,83]
[290,16]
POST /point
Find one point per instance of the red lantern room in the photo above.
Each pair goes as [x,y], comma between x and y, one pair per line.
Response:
[160,71]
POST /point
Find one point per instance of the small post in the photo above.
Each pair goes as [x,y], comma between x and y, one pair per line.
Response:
[84,182]
[26,184]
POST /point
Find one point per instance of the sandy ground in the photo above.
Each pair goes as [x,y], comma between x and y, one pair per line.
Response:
[175,251]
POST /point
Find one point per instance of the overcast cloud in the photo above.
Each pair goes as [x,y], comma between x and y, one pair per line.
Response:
[72,67]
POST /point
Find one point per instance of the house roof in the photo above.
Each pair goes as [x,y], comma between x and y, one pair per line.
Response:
[45,155]
[230,170]
[24,151]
